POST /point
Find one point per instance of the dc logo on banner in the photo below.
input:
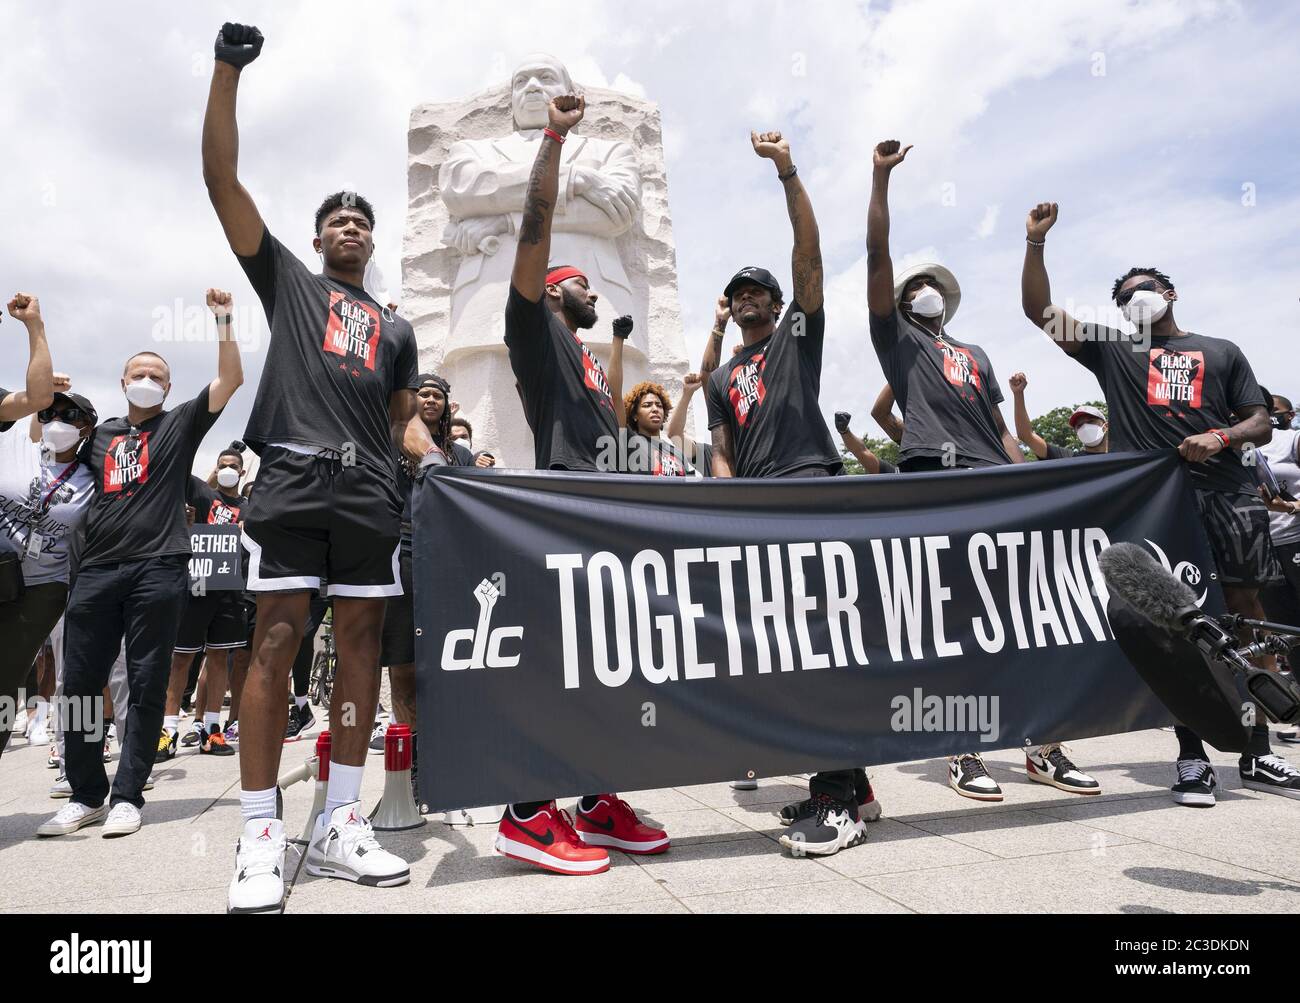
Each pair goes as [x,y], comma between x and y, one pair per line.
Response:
[485,643]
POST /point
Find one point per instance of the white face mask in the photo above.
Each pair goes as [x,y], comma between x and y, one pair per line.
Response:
[227,477]
[1145,307]
[59,435]
[144,392]
[927,303]
[1091,434]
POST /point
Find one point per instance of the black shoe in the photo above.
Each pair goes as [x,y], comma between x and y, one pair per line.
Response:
[1196,783]
[194,736]
[306,718]
[825,828]
[868,807]
[1271,774]
[214,743]
[294,730]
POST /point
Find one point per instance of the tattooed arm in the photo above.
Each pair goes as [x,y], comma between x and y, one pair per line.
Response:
[533,252]
[806,260]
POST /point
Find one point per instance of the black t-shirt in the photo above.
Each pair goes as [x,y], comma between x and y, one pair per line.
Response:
[945,389]
[212,506]
[335,358]
[656,457]
[1176,387]
[565,392]
[142,482]
[886,467]
[457,456]
[1055,452]
[768,395]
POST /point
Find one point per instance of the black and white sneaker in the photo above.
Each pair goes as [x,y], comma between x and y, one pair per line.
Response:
[377,738]
[194,736]
[868,808]
[1289,737]
[1050,765]
[295,728]
[1196,784]
[826,827]
[1271,774]
[969,778]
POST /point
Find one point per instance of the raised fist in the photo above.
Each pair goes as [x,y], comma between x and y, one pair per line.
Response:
[1041,219]
[622,327]
[62,383]
[25,307]
[721,314]
[889,154]
[692,382]
[238,44]
[1017,383]
[770,145]
[220,302]
[566,111]
[842,419]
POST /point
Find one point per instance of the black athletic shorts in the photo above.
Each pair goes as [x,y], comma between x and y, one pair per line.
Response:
[1282,601]
[217,620]
[1237,526]
[398,647]
[317,518]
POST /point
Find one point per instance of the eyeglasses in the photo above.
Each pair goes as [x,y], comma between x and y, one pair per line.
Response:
[71,414]
[1149,286]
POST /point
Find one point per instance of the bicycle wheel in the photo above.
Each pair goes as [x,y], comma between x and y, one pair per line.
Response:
[318,687]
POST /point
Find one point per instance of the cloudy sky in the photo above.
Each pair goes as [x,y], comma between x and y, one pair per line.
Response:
[1165,130]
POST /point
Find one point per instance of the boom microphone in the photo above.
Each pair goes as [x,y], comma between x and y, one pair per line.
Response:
[1192,662]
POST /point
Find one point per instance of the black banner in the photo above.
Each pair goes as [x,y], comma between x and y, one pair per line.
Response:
[214,560]
[585,633]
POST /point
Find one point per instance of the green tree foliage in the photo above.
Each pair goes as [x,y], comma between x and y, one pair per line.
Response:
[885,449]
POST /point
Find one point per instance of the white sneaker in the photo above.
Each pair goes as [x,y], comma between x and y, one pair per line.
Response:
[744,785]
[968,776]
[258,884]
[40,734]
[346,848]
[123,819]
[71,817]
[62,787]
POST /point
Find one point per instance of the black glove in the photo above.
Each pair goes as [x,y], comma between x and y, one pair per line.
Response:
[622,327]
[238,44]
[842,419]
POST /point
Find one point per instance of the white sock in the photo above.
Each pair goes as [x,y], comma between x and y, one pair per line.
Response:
[211,717]
[172,723]
[344,787]
[300,701]
[257,804]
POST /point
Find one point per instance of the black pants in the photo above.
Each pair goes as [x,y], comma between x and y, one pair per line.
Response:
[25,623]
[143,600]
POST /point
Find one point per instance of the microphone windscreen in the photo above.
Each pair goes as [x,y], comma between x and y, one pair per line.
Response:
[1141,581]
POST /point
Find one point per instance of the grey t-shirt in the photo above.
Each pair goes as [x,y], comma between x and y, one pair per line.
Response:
[50,500]
[946,391]
[1159,394]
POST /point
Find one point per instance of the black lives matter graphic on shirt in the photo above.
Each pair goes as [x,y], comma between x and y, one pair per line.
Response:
[960,368]
[352,332]
[593,375]
[1175,379]
[746,389]
[126,463]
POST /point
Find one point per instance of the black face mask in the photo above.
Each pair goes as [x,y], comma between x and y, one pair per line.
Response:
[1280,421]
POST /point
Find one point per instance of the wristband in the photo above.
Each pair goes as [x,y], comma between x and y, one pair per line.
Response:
[788,174]
[553,134]
[225,319]
[1035,243]
[719,334]
[1222,437]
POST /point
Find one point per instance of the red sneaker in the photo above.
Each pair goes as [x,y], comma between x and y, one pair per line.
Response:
[548,840]
[613,823]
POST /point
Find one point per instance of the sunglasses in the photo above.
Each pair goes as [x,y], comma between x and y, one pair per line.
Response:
[71,414]
[1149,286]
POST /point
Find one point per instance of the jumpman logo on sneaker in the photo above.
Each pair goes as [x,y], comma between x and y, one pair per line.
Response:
[352,817]
[266,833]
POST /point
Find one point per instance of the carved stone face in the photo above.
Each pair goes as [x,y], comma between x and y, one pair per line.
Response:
[538,79]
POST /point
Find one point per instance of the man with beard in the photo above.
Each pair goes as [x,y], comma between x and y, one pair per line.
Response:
[567,403]
[766,420]
[950,401]
[1169,388]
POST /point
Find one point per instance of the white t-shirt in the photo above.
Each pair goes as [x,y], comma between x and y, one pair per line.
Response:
[51,501]
[1281,456]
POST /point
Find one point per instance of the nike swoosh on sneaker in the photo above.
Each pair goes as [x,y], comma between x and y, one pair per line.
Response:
[544,839]
[606,826]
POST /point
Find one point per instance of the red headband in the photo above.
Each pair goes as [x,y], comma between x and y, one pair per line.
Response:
[554,278]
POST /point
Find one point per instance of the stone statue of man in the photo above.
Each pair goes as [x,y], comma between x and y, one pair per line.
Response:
[483,183]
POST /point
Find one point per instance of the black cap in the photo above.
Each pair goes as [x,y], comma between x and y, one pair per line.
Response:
[81,402]
[759,277]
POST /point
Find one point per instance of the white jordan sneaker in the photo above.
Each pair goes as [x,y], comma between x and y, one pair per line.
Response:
[346,847]
[258,884]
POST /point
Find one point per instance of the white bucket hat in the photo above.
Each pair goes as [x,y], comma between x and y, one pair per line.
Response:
[944,279]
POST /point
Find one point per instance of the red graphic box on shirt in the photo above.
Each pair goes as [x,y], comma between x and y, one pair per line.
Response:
[353,330]
[1175,378]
